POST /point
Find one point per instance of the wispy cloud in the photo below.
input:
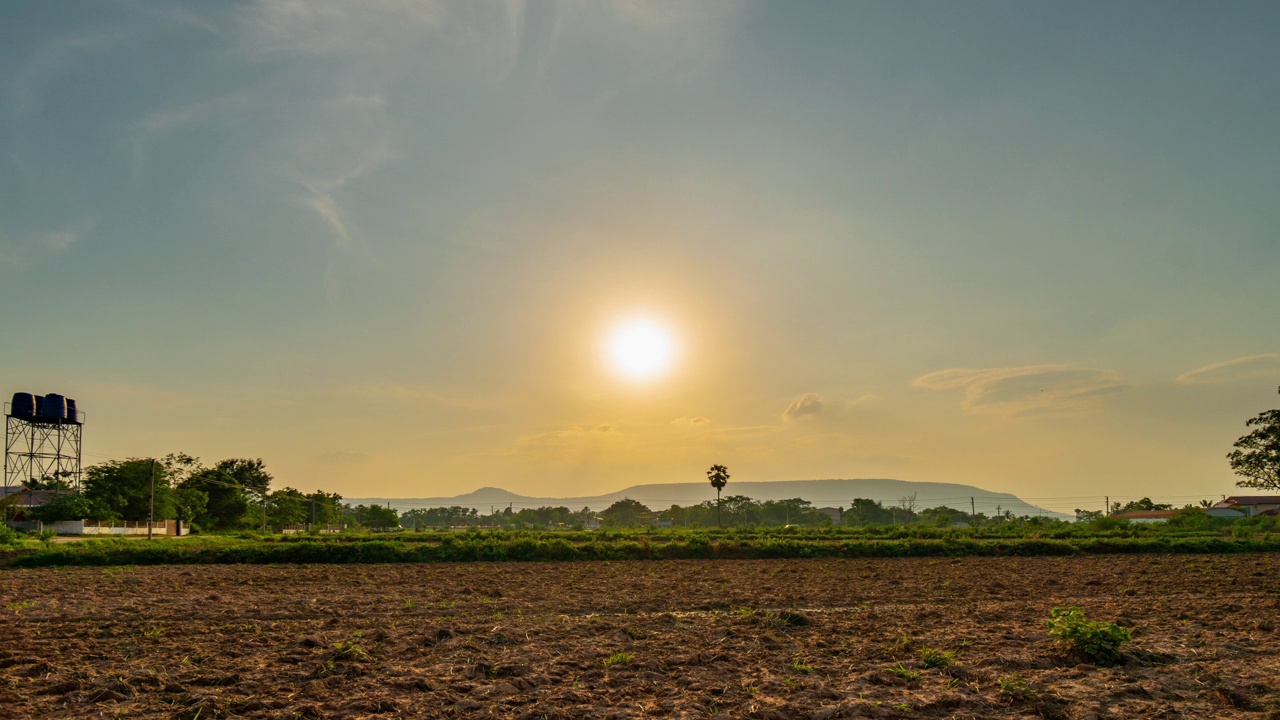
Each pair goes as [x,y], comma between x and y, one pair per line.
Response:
[22,252]
[344,457]
[1028,389]
[691,422]
[1248,367]
[402,394]
[806,406]
[571,445]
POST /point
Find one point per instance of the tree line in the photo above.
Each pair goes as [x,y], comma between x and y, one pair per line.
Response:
[232,494]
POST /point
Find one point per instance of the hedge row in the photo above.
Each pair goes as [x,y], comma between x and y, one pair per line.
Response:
[490,549]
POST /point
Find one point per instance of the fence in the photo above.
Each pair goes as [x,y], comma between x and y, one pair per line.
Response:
[102,527]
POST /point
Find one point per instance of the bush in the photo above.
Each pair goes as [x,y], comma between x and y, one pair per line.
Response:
[1097,641]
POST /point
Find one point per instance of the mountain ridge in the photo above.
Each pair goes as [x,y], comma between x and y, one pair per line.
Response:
[822,493]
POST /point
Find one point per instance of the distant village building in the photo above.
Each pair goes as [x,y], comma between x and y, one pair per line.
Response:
[1248,505]
[835,513]
[28,498]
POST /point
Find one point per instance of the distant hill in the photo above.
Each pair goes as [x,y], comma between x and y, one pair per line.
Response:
[822,493]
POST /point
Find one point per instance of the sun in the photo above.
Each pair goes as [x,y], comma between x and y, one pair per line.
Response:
[641,349]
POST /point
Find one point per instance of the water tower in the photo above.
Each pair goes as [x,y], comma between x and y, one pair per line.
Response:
[42,440]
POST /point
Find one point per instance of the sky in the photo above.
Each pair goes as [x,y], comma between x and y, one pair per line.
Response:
[382,245]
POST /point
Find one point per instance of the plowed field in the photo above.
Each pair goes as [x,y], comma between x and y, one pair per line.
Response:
[684,639]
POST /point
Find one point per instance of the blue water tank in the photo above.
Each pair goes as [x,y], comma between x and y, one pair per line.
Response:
[54,407]
[72,413]
[23,406]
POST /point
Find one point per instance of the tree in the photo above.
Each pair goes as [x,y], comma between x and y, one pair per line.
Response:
[1256,458]
[719,477]
[1143,505]
[379,517]
[227,503]
[189,503]
[251,474]
[626,513]
[324,508]
[124,487]
[287,507]
[865,511]
[56,482]
[440,517]
[908,505]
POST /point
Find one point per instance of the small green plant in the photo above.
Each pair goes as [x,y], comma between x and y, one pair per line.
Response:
[1097,641]
[1015,687]
[903,672]
[18,606]
[619,658]
[154,633]
[936,658]
[800,666]
[349,651]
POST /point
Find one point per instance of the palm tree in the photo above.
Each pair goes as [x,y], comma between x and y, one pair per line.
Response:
[719,477]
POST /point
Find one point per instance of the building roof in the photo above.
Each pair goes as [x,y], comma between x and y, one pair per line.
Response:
[28,498]
[1252,500]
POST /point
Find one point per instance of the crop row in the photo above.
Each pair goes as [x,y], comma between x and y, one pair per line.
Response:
[492,548]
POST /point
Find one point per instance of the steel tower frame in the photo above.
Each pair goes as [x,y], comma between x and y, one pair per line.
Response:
[42,448]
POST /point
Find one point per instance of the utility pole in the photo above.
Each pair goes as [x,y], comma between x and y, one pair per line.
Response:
[264,511]
[973,509]
[997,514]
[151,509]
[1106,508]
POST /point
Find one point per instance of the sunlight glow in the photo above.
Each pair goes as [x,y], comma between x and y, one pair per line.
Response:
[641,349]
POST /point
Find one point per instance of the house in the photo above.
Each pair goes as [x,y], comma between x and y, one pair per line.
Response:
[1250,505]
[1145,516]
[835,513]
[25,499]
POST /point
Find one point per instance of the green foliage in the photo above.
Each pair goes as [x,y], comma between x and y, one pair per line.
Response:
[626,513]
[190,503]
[719,476]
[1256,458]
[936,658]
[1015,687]
[619,658]
[498,545]
[287,507]
[227,502]
[372,516]
[124,487]
[453,516]
[350,651]
[71,506]
[1097,641]
[9,538]
[905,673]
[249,474]
[1143,505]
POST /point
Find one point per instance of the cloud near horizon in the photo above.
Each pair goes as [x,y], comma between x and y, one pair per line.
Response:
[1234,370]
[1028,389]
